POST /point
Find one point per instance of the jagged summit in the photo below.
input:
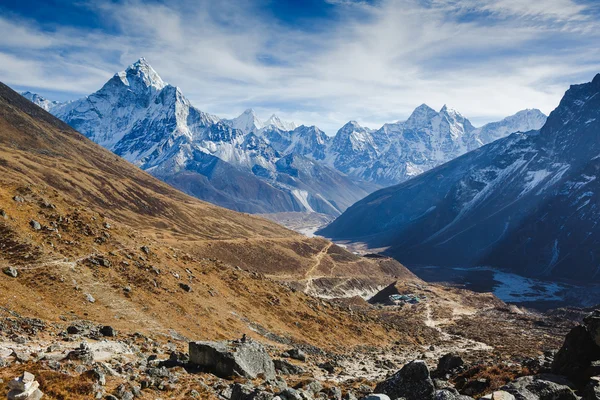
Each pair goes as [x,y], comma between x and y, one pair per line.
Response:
[276,122]
[247,122]
[141,71]
[421,115]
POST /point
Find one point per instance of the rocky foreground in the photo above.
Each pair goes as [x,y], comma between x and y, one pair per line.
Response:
[85,360]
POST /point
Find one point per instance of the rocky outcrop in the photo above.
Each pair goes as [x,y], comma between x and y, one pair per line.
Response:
[233,358]
[412,382]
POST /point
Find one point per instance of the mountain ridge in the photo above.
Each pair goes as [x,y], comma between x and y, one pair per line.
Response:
[244,163]
[526,202]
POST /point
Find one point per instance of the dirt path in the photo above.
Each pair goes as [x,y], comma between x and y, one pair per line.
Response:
[318,259]
[450,343]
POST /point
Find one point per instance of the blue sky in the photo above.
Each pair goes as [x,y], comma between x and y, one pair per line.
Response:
[319,62]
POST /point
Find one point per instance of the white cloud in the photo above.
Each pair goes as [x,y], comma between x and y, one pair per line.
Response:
[486,58]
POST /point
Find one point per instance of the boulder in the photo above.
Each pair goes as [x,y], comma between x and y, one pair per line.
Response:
[296,354]
[233,358]
[287,368]
[377,396]
[449,394]
[502,395]
[545,387]
[185,287]
[448,363]
[413,382]
[11,271]
[35,225]
[290,394]
[108,331]
[575,357]
[248,392]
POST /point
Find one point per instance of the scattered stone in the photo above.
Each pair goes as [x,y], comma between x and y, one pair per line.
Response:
[185,287]
[90,298]
[145,249]
[327,366]
[108,331]
[448,363]
[20,356]
[35,225]
[83,353]
[46,204]
[413,382]
[19,199]
[11,271]
[502,395]
[296,354]
[73,330]
[3,214]
[290,394]
[476,386]
[24,388]
[287,368]
[232,358]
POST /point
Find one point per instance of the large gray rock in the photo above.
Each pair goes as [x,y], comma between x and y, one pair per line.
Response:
[575,357]
[536,388]
[412,382]
[226,359]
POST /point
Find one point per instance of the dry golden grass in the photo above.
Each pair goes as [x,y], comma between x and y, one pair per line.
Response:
[192,242]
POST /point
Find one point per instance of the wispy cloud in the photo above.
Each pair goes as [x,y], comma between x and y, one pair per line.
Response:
[372,61]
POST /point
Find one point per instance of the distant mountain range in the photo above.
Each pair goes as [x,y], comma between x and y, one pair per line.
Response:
[256,166]
[528,202]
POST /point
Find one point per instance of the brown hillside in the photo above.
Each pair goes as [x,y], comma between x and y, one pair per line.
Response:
[97,211]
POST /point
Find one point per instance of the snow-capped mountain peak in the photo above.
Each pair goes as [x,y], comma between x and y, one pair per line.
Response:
[141,72]
[420,116]
[39,100]
[275,122]
[247,122]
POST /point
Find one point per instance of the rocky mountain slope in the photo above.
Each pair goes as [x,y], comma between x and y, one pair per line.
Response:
[107,275]
[227,162]
[527,203]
